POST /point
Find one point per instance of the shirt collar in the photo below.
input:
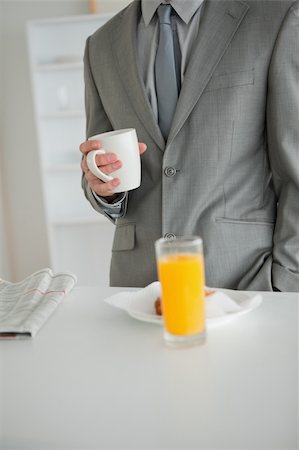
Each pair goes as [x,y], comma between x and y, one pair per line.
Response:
[184,9]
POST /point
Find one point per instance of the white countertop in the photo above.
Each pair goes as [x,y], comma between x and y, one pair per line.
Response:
[95,378]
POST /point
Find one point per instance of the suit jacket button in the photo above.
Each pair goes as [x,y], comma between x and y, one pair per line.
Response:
[170,171]
[169,236]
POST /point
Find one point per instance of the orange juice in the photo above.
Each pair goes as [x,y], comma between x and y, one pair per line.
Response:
[182,281]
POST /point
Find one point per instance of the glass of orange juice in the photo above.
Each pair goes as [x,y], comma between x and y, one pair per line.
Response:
[180,264]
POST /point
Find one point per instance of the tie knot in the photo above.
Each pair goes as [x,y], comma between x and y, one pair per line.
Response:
[164,13]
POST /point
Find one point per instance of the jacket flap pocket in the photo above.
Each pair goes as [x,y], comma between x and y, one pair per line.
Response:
[228,80]
[124,237]
[254,221]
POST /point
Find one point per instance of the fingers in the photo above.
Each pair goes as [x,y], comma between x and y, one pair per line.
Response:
[103,189]
[106,159]
[142,147]
[107,163]
[109,168]
[87,146]
[102,162]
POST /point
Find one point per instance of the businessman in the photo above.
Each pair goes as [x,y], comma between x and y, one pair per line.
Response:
[212,88]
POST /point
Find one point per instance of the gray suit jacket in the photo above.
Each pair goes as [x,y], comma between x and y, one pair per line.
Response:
[233,145]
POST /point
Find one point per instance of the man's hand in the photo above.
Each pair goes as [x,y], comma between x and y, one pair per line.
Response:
[107,163]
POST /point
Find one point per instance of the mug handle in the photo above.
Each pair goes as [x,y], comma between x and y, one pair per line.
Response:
[91,163]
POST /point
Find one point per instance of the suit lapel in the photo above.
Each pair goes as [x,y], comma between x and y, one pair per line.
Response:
[220,21]
[123,40]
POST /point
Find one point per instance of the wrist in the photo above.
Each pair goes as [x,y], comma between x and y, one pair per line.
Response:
[111,198]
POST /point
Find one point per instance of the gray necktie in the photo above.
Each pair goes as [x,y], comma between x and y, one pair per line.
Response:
[165,72]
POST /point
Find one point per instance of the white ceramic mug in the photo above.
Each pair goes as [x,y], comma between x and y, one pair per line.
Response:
[124,144]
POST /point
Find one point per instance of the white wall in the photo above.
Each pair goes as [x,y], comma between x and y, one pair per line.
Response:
[4,273]
[22,205]
[104,6]
[4,260]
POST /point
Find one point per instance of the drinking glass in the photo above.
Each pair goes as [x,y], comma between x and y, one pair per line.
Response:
[180,265]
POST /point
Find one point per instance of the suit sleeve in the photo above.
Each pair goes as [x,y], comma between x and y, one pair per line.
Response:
[96,122]
[283,144]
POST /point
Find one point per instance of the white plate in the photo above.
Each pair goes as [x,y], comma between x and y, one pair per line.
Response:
[222,307]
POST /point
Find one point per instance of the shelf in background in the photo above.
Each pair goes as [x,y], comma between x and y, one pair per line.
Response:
[74,221]
[65,20]
[57,74]
[49,67]
[64,114]
[63,168]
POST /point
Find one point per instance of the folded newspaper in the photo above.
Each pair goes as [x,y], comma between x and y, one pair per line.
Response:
[25,306]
